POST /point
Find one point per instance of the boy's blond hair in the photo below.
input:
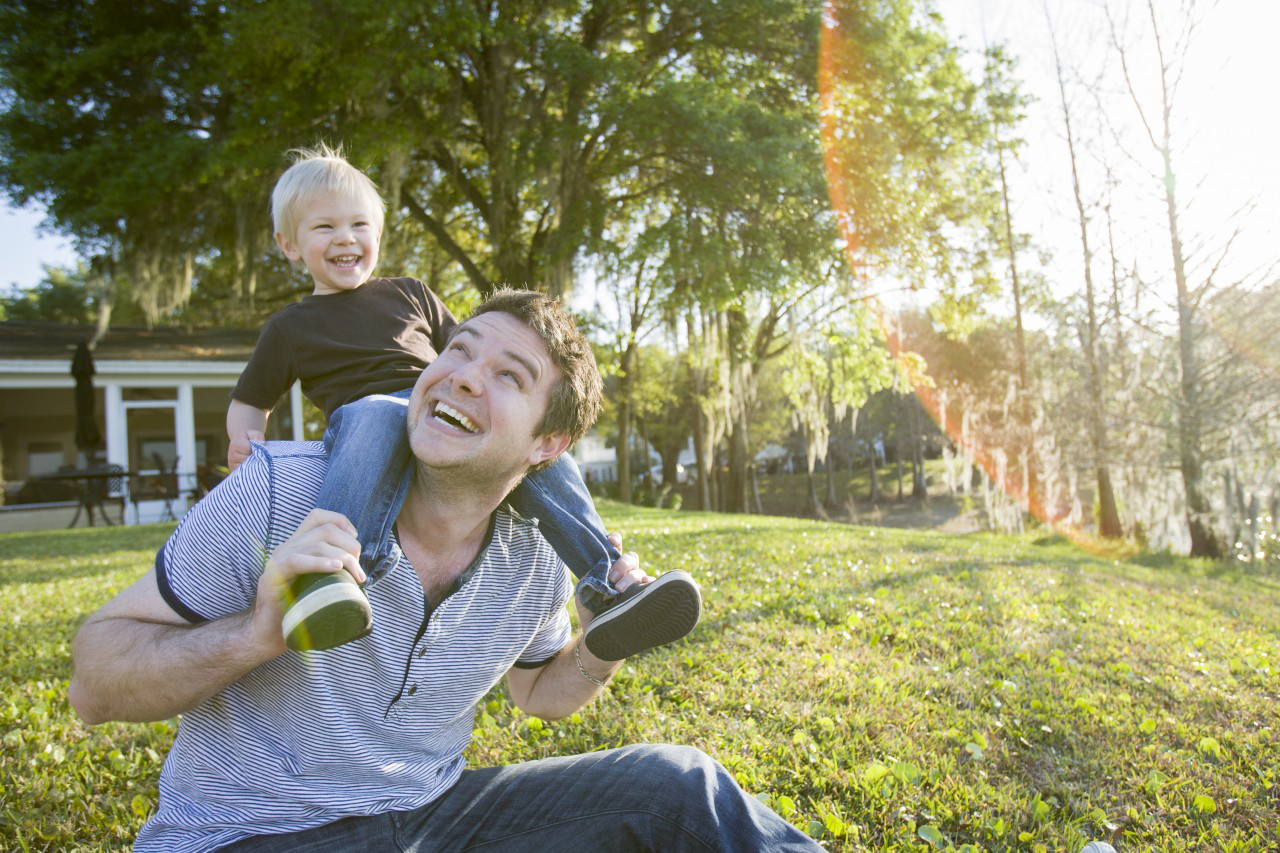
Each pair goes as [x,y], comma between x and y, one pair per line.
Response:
[317,171]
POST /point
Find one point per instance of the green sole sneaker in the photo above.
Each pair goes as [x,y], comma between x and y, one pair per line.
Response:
[325,611]
[646,616]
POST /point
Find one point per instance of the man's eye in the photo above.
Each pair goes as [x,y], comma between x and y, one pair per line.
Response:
[513,377]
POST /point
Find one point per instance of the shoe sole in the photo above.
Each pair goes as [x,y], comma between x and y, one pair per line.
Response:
[667,610]
[331,613]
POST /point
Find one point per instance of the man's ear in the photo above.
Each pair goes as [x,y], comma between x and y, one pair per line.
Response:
[286,245]
[549,447]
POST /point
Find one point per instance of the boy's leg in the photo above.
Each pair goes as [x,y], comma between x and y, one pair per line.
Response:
[367,480]
[369,473]
[644,616]
[567,518]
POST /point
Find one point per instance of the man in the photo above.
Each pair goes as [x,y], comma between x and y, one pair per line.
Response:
[360,747]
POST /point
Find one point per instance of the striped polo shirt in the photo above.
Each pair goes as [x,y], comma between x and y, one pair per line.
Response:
[378,725]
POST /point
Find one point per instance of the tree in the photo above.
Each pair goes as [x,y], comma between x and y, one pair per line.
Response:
[1108,518]
[510,134]
[1158,127]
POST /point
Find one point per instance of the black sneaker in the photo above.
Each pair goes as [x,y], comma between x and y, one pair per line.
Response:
[324,611]
[645,616]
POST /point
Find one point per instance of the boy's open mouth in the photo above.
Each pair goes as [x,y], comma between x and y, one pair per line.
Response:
[445,413]
[345,260]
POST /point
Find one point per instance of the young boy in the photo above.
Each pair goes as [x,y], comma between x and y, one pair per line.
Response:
[358,343]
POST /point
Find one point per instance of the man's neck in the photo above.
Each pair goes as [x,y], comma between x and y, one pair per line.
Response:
[442,525]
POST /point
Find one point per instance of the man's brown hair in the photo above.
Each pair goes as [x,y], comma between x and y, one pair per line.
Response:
[576,400]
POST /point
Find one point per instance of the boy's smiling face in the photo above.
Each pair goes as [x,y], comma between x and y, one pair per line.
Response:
[337,240]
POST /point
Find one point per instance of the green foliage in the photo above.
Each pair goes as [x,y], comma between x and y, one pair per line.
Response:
[506,144]
[844,675]
[63,296]
[907,138]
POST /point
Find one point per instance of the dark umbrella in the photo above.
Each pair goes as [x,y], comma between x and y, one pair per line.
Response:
[88,436]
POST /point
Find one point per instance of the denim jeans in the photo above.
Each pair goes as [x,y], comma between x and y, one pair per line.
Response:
[368,479]
[644,797]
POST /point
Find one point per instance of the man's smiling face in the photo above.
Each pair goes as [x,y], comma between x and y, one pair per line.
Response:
[476,406]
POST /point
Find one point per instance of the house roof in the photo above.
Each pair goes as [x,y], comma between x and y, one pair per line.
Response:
[126,343]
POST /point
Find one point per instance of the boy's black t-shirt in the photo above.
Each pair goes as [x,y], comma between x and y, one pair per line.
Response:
[343,346]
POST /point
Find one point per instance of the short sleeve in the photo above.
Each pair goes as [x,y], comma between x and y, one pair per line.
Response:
[270,371]
[437,315]
[555,631]
[211,564]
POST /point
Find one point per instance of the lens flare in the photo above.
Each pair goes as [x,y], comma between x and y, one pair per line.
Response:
[836,54]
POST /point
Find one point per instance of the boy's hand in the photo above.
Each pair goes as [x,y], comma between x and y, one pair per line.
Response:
[622,574]
[240,448]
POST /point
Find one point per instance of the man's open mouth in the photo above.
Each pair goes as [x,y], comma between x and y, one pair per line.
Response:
[445,413]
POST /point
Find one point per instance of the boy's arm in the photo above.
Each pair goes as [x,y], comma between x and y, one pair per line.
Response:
[245,423]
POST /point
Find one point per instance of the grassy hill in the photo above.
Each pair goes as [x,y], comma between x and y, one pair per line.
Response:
[881,688]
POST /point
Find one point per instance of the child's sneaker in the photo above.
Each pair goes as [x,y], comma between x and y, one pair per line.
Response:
[645,616]
[325,610]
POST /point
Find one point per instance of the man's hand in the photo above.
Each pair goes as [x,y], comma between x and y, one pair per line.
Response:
[325,542]
[239,447]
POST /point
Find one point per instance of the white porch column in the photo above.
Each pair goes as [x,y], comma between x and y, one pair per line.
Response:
[295,411]
[185,433]
[117,434]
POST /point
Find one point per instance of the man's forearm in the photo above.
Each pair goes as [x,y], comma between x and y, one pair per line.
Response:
[566,684]
[137,671]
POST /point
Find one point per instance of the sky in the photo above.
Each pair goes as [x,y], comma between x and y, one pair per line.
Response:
[1227,159]
[1225,145]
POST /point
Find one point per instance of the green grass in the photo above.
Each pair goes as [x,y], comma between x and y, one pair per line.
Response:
[881,688]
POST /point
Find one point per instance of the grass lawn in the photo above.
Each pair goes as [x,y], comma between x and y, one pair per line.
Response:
[880,688]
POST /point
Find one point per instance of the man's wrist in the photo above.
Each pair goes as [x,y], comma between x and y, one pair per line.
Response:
[592,663]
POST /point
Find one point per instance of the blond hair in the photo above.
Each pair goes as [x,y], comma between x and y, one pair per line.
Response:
[319,171]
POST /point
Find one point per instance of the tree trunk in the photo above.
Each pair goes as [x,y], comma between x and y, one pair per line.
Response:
[1199,519]
[755,490]
[1108,518]
[736,481]
[626,383]
[873,462]
[919,489]
[1024,389]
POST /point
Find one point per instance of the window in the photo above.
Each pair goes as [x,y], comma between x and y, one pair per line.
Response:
[44,457]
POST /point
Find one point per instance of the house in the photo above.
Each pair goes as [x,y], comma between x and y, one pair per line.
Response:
[597,462]
[161,399]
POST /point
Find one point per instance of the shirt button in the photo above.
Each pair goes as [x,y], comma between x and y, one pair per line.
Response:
[422,651]
[413,689]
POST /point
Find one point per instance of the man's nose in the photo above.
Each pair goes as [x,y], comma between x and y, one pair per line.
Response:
[467,378]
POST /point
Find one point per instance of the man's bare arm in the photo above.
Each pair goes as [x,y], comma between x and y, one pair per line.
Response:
[575,676]
[138,660]
[558,689]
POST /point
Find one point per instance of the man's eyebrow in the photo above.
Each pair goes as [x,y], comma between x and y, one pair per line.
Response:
[516,357]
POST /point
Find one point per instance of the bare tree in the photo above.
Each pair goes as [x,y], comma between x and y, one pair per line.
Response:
[1158,127]
[1108,517]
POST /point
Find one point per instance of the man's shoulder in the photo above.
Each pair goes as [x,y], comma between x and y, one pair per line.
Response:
[273,463]
[519,539]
